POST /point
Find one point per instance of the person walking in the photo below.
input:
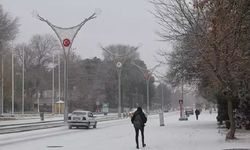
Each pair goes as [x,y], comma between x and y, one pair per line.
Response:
[197,113]
[138,120]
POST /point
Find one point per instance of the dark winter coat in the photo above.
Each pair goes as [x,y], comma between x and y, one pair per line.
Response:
[197,112]
[139,119]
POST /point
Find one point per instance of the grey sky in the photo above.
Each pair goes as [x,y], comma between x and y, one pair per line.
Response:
[120,22]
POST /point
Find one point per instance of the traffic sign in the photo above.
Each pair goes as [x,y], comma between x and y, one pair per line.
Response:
[181,101]
[66,42]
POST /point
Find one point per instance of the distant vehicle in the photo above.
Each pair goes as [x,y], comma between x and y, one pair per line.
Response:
[189,111]
[81,118]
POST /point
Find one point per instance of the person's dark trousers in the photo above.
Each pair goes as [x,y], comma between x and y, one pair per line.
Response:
[137,135]
[196,117]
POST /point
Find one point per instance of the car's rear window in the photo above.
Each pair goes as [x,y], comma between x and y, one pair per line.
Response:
[78,113]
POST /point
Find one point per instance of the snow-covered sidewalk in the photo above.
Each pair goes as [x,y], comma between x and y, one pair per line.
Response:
[201,134]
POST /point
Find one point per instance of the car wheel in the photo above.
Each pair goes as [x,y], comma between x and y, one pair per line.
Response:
[70,127]
[95,125]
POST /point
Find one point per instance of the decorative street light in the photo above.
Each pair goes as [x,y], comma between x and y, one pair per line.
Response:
[119,60]
[2,82]
[59,82]
[147,76]
[119,69]
[66,37]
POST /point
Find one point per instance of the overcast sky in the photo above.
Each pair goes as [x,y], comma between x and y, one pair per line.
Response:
[126,22]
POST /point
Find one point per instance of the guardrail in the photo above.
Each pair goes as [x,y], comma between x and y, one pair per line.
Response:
[21,127]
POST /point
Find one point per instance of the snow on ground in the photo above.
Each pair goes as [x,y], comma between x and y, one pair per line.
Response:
[201,134]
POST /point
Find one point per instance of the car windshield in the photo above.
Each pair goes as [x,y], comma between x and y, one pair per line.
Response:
[79,113]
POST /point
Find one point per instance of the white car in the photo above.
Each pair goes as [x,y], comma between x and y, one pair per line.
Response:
[81,118]
[189,111]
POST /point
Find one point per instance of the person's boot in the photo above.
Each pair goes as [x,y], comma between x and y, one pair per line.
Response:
[143,145]
[137,147]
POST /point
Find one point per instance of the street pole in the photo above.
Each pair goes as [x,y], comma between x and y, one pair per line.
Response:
[2,85]
[147,81]
[119,97]
[181,102]
[38,102]
[182,96]
[12,66]
[64,87]
[53,86]
[162,98]
[182,93]
[23,85]
[59,82]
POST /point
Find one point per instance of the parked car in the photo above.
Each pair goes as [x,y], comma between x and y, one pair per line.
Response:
[189,111]
[81,118]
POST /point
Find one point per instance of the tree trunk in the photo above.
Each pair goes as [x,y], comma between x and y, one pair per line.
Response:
[231,132]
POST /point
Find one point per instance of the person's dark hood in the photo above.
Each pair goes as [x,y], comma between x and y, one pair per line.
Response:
[138,111]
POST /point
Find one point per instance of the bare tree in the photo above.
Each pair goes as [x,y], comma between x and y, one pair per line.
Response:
[8,27]
[38,55]
[209,35]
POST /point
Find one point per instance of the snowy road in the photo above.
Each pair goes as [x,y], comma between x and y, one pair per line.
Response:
[119,135]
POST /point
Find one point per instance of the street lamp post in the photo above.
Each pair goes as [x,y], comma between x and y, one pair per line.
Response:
[66,37]
[59,82]
[119,65]
[53,83]
[161,81]
[147,82]
[2,85]
[38,102]
[162,98]
[147,76]
[23,85]
[181,103]
[119,60]
[13,80]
